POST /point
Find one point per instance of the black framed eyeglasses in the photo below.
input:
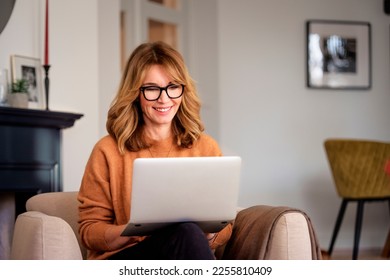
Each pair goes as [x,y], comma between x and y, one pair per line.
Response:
[152,93]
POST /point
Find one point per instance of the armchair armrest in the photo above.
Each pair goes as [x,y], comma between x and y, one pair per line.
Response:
[267,232]
[38,236]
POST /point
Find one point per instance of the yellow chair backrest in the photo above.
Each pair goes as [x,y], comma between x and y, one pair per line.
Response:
[358,167]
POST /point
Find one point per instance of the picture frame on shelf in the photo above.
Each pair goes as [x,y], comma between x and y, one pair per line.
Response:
[30,69]
[338,54]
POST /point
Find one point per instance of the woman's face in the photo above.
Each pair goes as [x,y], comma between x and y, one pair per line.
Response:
[159,112]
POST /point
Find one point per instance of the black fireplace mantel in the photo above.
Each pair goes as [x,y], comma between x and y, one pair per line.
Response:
[37,118]
[30,150]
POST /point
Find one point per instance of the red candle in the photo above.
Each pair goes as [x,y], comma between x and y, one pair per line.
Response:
[47,34]
[387,167]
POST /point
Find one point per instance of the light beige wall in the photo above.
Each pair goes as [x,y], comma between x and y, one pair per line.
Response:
[203,60]
[75,80]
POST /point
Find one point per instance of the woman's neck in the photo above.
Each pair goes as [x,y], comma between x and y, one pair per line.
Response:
[158,133]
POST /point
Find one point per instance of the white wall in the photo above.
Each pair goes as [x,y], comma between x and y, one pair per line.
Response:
[278,126]
[109,58]
[248,58]
[25,20]
[203,60]
[75,80]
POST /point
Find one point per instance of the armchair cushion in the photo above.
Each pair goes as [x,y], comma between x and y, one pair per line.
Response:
[40,236]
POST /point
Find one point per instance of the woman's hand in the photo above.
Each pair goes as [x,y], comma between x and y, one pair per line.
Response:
[210,237]
[114,239]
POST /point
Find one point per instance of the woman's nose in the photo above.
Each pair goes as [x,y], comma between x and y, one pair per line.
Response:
[163,96]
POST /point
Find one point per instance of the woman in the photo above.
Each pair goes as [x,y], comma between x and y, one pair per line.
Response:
[156,113]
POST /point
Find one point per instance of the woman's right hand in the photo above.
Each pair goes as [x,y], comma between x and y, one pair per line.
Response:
[114,238]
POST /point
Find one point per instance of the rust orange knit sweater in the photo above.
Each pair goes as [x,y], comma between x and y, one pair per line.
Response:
[106,188]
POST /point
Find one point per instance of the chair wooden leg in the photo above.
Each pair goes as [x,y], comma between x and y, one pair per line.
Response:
[386,248]
[339,220]
[358,228]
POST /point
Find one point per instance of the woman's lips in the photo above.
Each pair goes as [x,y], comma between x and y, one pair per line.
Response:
[162,109]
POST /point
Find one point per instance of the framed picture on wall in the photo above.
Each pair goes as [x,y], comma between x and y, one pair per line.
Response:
[338,54]
[30,69]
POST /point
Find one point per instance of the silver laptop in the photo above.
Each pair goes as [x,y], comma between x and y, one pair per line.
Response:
[165,191]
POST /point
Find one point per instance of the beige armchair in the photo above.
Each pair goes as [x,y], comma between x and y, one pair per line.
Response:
[49,230]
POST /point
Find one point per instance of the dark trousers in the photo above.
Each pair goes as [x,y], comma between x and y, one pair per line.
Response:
[184,241]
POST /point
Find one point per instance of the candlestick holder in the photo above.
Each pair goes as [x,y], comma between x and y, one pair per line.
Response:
[47,83]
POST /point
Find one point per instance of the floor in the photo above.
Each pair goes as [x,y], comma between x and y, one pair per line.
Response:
[364,254]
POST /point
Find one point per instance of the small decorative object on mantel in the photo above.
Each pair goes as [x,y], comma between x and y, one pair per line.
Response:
[29,68]
[46,66]
[18,97]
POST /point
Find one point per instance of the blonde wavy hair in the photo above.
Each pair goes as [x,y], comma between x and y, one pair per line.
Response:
[125,119]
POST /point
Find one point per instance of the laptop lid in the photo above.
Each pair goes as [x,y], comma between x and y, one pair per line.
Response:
[165,191]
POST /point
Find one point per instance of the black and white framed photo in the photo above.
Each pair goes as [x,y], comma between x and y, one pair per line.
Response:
[30,69]
[338,54]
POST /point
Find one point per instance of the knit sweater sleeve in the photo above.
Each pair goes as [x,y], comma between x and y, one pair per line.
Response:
[95,212]
[104,198]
